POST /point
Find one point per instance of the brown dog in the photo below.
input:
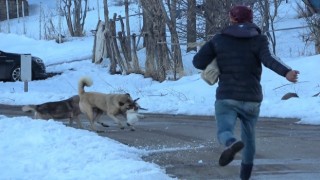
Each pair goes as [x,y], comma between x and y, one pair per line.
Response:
[111,104]
[68,108]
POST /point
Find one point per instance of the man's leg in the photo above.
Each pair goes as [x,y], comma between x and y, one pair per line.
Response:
[226,120]
[249,114]
[226,117]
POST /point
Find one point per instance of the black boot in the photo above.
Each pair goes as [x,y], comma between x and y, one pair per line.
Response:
[228,154]
[245,172]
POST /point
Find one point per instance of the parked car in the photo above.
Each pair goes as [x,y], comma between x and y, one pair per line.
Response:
[10,68]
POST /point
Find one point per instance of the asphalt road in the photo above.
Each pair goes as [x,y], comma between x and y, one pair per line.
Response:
[187,148]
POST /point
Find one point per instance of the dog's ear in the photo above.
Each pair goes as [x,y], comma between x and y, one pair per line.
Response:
[136,100]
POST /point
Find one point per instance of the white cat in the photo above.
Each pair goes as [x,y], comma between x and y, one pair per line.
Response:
[133,117]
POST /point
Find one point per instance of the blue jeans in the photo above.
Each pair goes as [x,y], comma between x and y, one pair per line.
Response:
[226,113]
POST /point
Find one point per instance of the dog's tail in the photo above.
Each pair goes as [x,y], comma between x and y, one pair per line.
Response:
[84,81]
[28,108]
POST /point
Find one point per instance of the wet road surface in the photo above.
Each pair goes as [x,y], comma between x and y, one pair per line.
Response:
[187,148]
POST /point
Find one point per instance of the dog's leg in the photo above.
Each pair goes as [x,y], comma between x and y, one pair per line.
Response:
[131,126]
[87,110]
[103,124]
[98,114]
[91,119]
[116,120]
[36,115]
[70,121]
[78,122]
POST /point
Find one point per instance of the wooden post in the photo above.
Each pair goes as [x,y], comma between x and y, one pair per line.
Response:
[18,16]
[8,17]
[59,5]
[24,21]
[40,18]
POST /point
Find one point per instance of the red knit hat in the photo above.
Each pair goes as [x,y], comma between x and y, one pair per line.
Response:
[241,14]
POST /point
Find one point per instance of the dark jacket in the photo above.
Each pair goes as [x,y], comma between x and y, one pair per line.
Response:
[240,50]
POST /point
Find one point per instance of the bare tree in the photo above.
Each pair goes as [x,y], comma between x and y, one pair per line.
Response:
[175,44]
[216,14]
[75,15]
[311,9]
[161,61]
[312,17]
[211,17]
[191,25]
[264,11]
[154,32]
[135,59]
[268,16]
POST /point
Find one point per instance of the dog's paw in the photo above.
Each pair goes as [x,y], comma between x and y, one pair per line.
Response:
[100,131]
[132,128]
[103,124]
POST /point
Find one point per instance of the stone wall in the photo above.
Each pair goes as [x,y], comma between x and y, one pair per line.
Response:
[13,9]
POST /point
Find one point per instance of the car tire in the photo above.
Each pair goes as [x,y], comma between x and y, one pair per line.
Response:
[15,74]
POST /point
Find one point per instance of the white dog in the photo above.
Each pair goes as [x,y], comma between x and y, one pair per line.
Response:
[132,114]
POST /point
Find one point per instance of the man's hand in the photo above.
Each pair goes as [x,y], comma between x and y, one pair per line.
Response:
[292,76]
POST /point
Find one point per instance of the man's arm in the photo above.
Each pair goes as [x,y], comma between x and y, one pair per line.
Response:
[270,60]
[274,63]
[204,57]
